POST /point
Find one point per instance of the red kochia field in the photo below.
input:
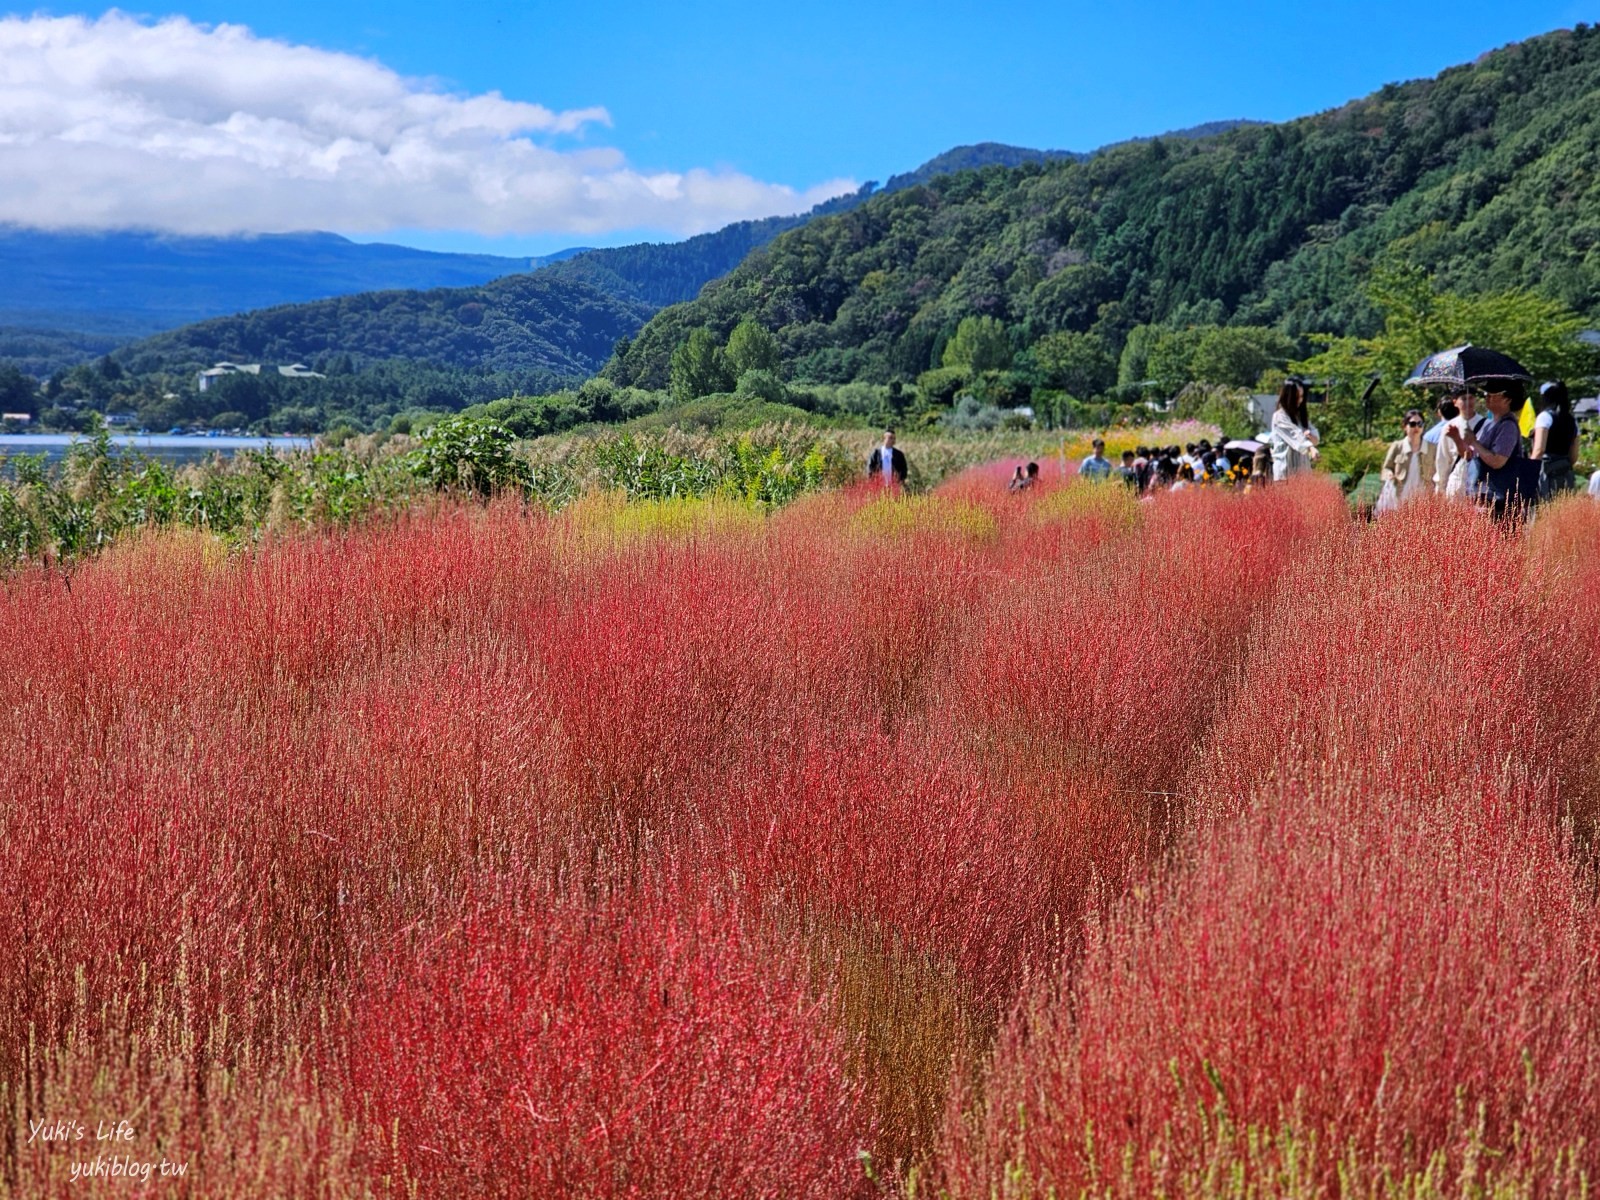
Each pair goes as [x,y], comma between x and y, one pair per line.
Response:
[972,845]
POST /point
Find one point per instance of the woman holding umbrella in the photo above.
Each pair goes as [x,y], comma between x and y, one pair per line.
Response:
[1502,477]
[1497,443]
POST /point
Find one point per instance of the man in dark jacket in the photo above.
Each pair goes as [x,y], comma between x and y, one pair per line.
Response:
[887,464]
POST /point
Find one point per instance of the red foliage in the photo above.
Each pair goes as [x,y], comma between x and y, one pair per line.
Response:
[620,1048]
[1227,782]
[1371,960]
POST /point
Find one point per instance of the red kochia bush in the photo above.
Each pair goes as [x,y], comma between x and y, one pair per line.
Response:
[1330,993]
[1372,969]
[621,1048]
[896,835]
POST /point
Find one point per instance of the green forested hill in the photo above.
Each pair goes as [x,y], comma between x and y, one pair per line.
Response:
[562,319]
[668,273]
[1487,176]
[522,322]
[659,274]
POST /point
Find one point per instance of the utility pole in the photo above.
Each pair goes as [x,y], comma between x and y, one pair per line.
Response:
[1366,405]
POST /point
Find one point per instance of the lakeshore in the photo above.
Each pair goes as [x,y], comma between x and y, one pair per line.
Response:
[172,447]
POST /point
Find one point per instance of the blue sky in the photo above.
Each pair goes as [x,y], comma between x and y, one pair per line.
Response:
[657,120]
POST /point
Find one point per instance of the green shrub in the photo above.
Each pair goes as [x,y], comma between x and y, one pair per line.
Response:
[468,455]
[1353,458]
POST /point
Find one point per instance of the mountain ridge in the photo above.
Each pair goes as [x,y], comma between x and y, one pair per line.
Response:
[76,281]
[130,283]
[1486,177]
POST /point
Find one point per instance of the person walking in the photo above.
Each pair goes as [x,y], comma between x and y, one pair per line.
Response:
[1096,467]
[1294,437]
[1555,440]
[1408,464]
[887,464]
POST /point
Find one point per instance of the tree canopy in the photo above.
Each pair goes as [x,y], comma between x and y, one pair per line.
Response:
[1420,319]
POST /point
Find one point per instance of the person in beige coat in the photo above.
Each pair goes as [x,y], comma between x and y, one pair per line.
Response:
[1409,462]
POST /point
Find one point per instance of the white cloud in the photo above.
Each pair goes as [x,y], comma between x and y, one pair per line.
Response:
[118,122]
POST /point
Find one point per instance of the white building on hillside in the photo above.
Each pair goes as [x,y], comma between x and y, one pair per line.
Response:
[293,371]
[227,368]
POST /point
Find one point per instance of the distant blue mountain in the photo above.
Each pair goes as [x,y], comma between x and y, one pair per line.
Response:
[131,283]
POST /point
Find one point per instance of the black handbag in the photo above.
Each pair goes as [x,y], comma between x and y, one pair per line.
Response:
[1517,482]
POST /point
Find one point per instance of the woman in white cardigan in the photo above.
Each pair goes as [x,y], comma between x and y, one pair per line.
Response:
[1294,437]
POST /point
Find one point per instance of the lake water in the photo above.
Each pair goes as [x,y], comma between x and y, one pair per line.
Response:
[171,448]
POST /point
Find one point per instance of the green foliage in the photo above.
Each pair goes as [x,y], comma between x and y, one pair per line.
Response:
[979,344]
[721,414]
[770,466]
[1077,363]
[40,353]
[699,368]
[1354,457]
[97,495]
[365,398]
[1133,365]
[1237,356]
[466,454]
[971,416]
[942,384]
[1228,356]
[536,416]
[18,393]
[752,348]
[759,384]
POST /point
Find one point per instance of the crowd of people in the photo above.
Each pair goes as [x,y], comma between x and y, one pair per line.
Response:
[1480,456]
[1173,468]
[1290,446]
[1466,454]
